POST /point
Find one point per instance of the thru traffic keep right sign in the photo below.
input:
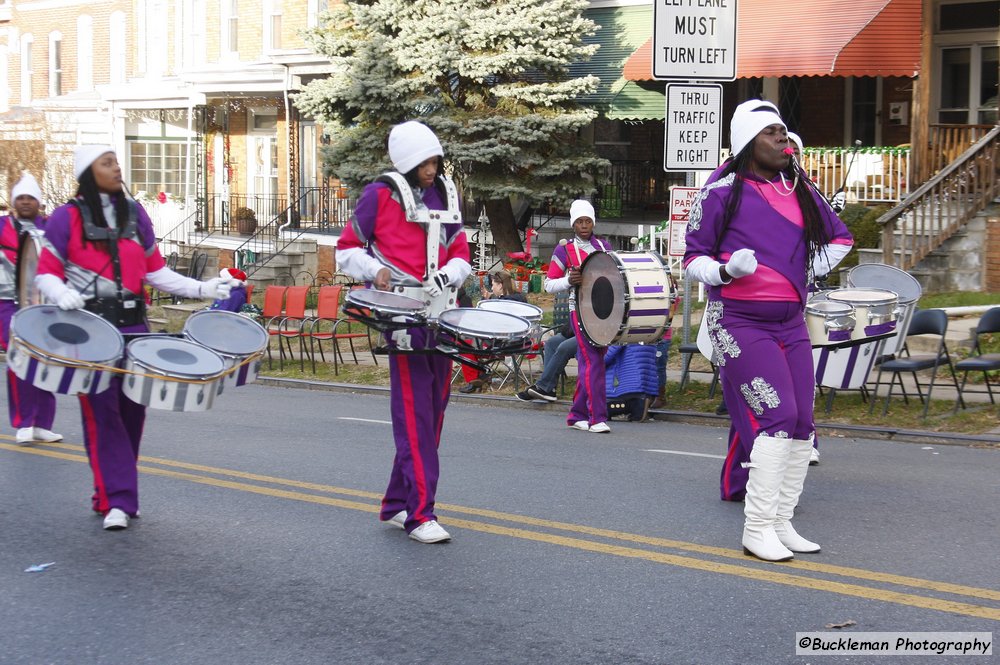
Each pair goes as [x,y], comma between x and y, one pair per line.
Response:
[692,133]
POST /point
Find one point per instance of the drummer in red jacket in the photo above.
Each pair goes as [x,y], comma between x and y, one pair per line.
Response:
[101,252]
[32,410]
[384,248]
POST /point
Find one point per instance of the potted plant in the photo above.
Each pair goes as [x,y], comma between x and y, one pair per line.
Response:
[246,221]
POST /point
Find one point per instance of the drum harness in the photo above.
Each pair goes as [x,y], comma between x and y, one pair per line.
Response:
[120,310]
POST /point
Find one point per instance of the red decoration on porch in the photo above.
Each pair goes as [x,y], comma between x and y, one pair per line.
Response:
[162,197]
[526,254]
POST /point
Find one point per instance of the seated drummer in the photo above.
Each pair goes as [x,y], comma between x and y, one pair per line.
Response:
[384,248]
[589,412]
[100,253]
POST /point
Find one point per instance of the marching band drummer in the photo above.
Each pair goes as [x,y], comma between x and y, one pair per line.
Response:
[590,407]
[756,236]
[101,252]
[32,410]
[385,249]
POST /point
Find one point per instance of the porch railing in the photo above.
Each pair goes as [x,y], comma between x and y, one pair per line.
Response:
[946,143]
[938,208]
[870,176]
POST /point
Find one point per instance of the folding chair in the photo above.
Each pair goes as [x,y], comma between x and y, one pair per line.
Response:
[931,322]
[988,324]
[687,352]
[560,319]
[274,306]
[328,313]
[291,325]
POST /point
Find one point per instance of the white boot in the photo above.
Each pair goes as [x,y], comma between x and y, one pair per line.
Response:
[768,459]
[791,488]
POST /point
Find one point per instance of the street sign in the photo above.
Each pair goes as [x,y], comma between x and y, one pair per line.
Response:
[681,199]
[692,135]
[694,40]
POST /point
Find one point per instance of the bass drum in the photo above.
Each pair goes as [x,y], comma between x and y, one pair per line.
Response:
[28,250]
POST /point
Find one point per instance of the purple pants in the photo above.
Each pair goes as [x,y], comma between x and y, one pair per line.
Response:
[27,405]
[590,397]
[420,385]
[112,430]
[768,379]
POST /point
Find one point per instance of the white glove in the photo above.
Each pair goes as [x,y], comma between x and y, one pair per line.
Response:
[437,283]
[71,299]
[839,201]
[741,263]
[216,288]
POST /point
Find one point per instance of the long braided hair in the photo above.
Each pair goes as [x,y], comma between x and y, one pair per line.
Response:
[816,233]
[90,197]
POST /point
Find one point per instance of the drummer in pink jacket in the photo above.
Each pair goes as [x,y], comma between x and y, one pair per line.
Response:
[101,252]
[32,410]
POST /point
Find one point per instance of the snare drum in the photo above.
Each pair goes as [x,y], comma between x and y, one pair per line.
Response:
[905,286]
[527,311]
[28,250]
[482,332]
[172,374]
[829,322]
[845,368]
[240,341]
[383,310]
[65,352]
[625,297]
[874,310]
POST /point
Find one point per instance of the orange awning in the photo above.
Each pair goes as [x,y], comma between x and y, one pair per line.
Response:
[816,38]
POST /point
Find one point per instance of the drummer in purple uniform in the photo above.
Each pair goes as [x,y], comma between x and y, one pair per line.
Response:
[590,407]
[101,252]
[756,236]
[387,250]
[32,410]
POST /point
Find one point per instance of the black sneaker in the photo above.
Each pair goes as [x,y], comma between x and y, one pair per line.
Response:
[538,393]
[524,396]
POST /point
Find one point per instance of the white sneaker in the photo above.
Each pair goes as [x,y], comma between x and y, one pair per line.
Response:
[430,532]
[582,425]
[47,436]
[116,519]
[25,436]
[814,457]
[600,428]
[398,520]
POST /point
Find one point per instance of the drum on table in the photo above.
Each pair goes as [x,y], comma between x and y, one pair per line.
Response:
[383,310]
[625,297]
[65,352]
[845,368]
[875,310]
[904,285]
[28,250]
[171,373]
[239,340]
[531,313]
[482,332]
[828,321]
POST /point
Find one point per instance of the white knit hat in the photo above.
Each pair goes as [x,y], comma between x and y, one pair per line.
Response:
[85,155]
[797,140]
[581,208]
[749,119]
[28,186]
[410,144]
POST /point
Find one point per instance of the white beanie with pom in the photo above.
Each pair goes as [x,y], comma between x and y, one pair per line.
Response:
[85,155]
[581,208]
[27,186]
[749,119]
[410,144]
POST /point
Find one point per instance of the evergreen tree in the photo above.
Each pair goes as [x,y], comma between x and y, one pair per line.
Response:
[488,76]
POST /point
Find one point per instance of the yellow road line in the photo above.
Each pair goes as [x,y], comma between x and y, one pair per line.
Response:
[771,574]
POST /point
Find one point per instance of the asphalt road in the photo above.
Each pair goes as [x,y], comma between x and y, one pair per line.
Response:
[259,543]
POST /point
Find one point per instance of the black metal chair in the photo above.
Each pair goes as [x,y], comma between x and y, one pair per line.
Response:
[931,322]
[687,352]
[989,323]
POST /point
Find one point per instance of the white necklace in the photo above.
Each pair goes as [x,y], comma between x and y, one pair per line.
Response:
[789,190]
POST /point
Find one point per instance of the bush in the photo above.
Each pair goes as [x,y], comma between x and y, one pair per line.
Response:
[860,221]
[244,213]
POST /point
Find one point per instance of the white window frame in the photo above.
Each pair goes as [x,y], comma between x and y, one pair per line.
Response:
[55,64]
[27,75]
[4,81]
[117,39]
[230,24]
[194,33]
[313,10]
[272,9]
[84,53]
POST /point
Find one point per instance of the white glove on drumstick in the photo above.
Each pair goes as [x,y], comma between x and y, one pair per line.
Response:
[741,263]
[217,288]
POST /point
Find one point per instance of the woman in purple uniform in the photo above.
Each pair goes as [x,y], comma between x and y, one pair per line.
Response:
[756,236]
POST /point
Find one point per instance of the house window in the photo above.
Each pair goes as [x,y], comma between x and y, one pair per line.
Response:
[969,16]
[84,53]
[55,64]
[116,47]
[194,32]
[315,8]
[272,25]
[157,166]
[968,88]
[26,68]
[231,26]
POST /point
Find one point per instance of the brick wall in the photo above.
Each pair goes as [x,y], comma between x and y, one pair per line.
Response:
[991,260]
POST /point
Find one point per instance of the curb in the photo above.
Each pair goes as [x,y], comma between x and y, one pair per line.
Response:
[692,417]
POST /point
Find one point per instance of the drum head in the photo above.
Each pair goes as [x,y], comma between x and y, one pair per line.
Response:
[881,276]
[226,332]
[172,356]
[384,302]
[76,334]
[524,310]
[831,307]
[28,251]
[475,322]
[600,301]
[863,296]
